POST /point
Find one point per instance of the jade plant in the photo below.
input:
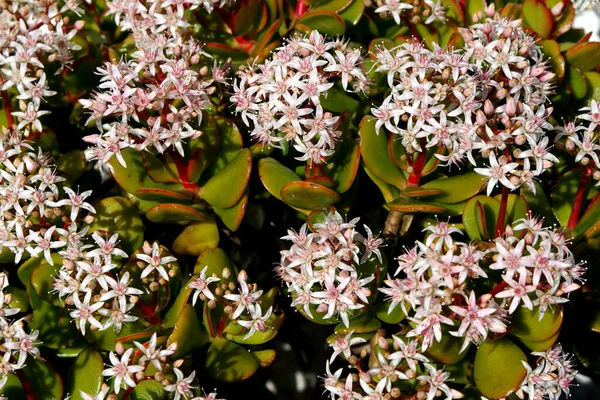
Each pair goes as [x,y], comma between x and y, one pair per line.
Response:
[211,199]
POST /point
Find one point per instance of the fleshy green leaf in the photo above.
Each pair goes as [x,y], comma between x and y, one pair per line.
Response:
[148,390]
[412,205]
[229,362]
[528,326]
[537,16]
[44,379]
[188,333]
[119,215]
[161,195]
[374,151]
[275,176]
[324,21]
[308,196]
[447,351]
[344,171]
[457,188]
[228,185]
[498,370]
[175,213]
[563,194]
[232,217]
[196,237]
[85,374]
[480,216]
[584,56]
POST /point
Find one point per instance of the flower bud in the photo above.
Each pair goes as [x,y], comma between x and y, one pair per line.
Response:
[511,107]
[382,342]
[488,107]
[120,349]
[480,118]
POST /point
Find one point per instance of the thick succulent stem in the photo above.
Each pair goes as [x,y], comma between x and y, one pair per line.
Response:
[392,225]
[579,197]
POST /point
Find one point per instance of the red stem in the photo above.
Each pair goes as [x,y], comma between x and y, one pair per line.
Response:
[29,390]
[498,288]
[502,213]
[579,197]
[415,176]
[301,8]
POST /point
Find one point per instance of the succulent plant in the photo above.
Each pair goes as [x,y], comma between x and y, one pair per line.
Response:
[400,199]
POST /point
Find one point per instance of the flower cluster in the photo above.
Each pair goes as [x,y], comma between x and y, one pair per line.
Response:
[537,270]
[242,302]
[553,376]
[281,98]
[328,271]
[580,139]
[486,99]
[33,36]
[17,344]
[129,367]
[390,361]
[154,102]
[158,16]
[415,11]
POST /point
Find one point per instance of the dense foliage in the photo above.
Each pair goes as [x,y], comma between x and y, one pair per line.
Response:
[338,199]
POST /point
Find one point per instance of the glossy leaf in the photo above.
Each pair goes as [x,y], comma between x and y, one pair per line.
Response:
[228,185]
[593,80]
[12,389]
[158,170]
[42,280]
[584,56]
[274,323]
[498,370]
[230,144]
[324,21]
[537,16]
[551,50]
[563,194]
[588,224]
[72,163]
[577,82]
[363,323]
[232,217]
[119,215]
[135,176]
[528,326]
[352,14]
[516,208]
[85,374]
[308,196]
[541,345]
[457,188]
[188,333]
[148,390]
[196,237]
[175,213]
[44,379]
[338,100]
[275,176]
[229,362]
[389,317]
[161,195]
[412,205]
[480,216]
[374,151]
[178,305]
[447,351]
[264,357]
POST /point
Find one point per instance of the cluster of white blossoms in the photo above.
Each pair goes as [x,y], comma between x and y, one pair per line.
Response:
[487,99]
[415,11]
[280,99]
[396,359]
[16,343]
[130,366]
[324,270]
[551,378]
[580,139]
[537,270]
[242,301]
[159,15]
[33,36]
[153,102]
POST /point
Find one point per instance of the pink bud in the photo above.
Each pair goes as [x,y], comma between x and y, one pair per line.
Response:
[480,118]
[382,342]
[79,25]
[557,9]
[488,107]
[511,107]
[490,10]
